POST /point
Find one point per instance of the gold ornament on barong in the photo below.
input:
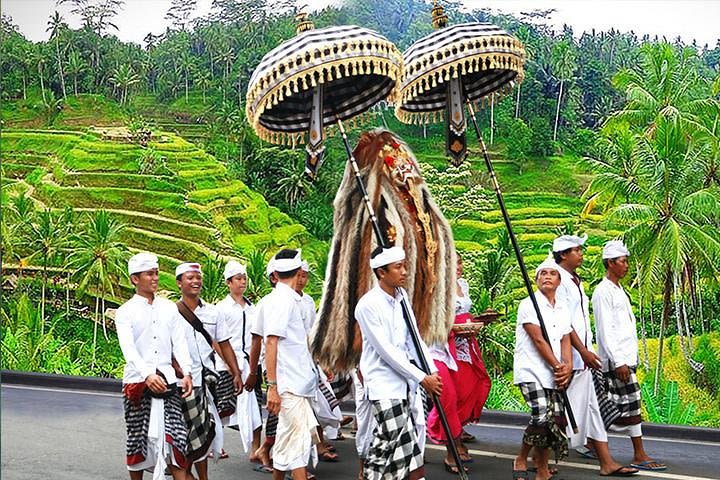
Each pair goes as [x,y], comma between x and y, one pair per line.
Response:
[405,172]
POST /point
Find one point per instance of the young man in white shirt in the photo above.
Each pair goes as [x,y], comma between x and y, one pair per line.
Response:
[206,335]
[568,254]
[389,374]
[149,338]
[618,349]
[541,370]
[291,375]
[239,313]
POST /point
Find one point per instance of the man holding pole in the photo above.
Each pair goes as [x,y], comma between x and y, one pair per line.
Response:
[391,377]
[568,254]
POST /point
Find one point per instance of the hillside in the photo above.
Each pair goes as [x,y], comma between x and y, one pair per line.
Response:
[185,207]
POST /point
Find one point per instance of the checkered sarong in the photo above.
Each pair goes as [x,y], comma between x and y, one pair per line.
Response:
[225,399]
[342,386]
[394,452]
[329,395]
[547,419]
[199,422]
[608,410]
[626,397]
[137,421]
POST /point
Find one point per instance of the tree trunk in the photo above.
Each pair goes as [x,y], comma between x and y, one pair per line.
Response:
[517,102]
[186,88]
[67,296]
[557,112]
[95,328]
[42,82]
[104,323]
[667,294]
[24,85]
[492,119]
[75,85]
[60,69]
[42,304]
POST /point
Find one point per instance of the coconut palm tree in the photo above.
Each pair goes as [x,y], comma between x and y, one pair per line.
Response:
[295,184]
[56,26]
[98,258]
[45,242]
[123,77]
[564,64]
[75,66]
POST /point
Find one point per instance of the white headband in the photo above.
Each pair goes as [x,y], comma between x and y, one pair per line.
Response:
[615,249]
[305,266]
[187,267]
[142,262]
[388,256]
[233,268]
[288,264]
[549,262]
[566,242]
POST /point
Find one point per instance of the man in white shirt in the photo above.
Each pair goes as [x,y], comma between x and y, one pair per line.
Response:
[568,254]
[206,335]
[238,314]
[291,375]
[149,338]
[618,349]
[541,370]
[390,378]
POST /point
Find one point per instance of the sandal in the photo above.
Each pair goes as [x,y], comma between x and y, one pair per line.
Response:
[466,437]
[328,456]
[450,468]
[621,472]
[646,466]
[263,468]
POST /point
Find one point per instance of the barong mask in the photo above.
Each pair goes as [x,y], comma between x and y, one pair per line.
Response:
[408,218]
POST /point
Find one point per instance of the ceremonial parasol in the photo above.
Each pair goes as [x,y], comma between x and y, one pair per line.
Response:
[320,78]
[457,66]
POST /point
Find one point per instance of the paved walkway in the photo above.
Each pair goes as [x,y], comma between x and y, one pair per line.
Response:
[64,435]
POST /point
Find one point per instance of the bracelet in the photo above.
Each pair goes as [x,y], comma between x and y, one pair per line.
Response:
[252,374]
[271,382]
[557,367]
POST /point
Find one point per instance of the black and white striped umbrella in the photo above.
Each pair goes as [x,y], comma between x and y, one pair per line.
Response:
[319,76]
[479,62]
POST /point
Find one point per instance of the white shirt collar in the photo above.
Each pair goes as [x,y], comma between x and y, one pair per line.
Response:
[284,289]
[143,300]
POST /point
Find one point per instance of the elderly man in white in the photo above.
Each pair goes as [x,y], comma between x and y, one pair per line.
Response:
[389,373]
[238,314]
[618,349]
[568,254]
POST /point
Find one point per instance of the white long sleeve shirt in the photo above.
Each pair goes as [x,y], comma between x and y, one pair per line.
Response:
[528,364]
[615,324]
[238,322]
[387,350]
[149,336]
[201,352]
[309,313]
[295,370]
[574,297]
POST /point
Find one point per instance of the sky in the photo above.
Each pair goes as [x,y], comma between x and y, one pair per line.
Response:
[689,19]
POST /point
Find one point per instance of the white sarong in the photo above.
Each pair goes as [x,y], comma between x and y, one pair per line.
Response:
[247,417]
[584,404]
[296,433]
[364,418]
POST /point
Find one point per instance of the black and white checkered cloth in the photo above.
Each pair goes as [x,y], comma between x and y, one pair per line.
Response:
[487,58]
[608,409]
[137,421]
[546,428]
[199,422]
[358,68]
[394,452]
[626,397]
[225,400]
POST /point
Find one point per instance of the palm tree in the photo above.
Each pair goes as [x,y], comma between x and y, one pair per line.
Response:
[56,26]
[38,59]
[45,243]
[185,65]
[75,66]
[295,184]
[564,64]
[202,80]
[98,259]
[671,218]
[123,77]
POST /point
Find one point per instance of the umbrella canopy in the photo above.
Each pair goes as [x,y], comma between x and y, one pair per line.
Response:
[487,59]
[355,67]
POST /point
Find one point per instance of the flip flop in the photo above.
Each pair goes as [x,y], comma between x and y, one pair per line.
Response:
[587,453]
[453,468]
[552,470]
[263,468]
[619,472]
[466,437]
[328,456]
[517,474]
[646,466]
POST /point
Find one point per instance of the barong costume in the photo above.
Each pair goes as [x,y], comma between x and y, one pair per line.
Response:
[149,337]
[535,377]
[618,345]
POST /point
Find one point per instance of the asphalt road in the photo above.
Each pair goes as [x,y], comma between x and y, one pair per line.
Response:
[78,435]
